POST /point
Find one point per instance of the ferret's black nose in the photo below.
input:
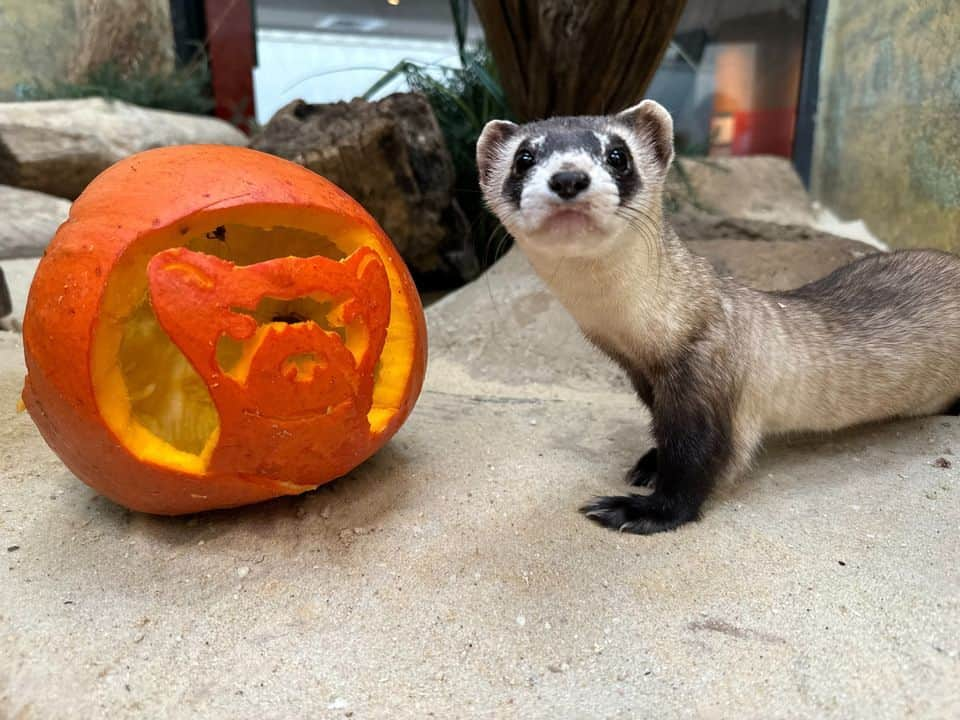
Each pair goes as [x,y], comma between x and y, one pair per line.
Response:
[569,183]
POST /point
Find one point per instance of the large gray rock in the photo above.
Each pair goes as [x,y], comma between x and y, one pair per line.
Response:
[757,187]
[6,304]
[779,264]
[30,220]
[392,158]
[58,146]
[766,255]
[757,198]
[18,274]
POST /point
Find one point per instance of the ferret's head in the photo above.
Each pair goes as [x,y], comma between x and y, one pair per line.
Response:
[573,185]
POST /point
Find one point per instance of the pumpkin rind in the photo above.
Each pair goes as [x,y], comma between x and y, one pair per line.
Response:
[148,201]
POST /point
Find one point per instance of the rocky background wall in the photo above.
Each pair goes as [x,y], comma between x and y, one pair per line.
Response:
[34,44]
[886,142]
[44,42]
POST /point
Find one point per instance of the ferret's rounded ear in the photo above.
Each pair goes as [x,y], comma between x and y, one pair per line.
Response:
[650,120]
[495,134]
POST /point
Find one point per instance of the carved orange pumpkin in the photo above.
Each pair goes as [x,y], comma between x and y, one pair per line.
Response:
[214,326]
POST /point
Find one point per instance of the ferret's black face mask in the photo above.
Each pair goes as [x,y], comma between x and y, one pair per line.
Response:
[571,186]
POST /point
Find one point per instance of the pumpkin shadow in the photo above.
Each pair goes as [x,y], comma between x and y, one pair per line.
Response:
[90,544]
[363,500]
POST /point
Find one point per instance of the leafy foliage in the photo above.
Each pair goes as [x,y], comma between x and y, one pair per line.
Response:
[185,89]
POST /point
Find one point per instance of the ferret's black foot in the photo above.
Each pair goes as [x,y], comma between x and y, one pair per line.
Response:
[644,472]
[955,408]
[640,514]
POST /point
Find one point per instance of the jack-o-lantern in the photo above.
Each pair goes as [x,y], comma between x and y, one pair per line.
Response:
[214,326]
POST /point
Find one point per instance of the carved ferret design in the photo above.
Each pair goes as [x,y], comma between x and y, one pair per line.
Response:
[290,370]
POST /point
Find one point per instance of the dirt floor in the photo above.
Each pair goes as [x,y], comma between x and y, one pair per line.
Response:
[451,575]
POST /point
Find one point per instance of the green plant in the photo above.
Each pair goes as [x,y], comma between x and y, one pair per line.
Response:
[463,99]
[184,89]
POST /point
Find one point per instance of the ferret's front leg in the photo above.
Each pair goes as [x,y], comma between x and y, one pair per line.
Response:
[644,471]
[686,465]
[697,444]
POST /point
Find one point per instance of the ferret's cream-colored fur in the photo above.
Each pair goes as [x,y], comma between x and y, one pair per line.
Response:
[878,340]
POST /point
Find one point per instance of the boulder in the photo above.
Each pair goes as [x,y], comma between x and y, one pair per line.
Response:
[756,187]
[392,158]
[6,304]
[29,221]
[774,237]
[766,255]
[58,146]
[779,264]
[15,277]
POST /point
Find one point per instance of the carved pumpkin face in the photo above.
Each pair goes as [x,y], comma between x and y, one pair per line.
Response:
[214,326]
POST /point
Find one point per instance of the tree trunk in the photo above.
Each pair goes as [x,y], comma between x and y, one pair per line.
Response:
[576,57]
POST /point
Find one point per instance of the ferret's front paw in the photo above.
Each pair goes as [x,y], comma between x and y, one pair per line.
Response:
[644,472]
[640,514]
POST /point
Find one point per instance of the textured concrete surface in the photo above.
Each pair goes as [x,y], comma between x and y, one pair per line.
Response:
[886,140]
[451,576]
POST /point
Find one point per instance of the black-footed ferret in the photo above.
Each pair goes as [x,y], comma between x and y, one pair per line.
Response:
[718,364]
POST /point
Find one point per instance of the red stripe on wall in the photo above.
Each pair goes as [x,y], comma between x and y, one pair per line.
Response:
[764,132]
[231,43]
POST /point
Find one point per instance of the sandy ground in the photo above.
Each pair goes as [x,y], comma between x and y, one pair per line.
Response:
[451,576]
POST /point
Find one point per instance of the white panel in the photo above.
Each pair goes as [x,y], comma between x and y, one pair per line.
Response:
[327,67]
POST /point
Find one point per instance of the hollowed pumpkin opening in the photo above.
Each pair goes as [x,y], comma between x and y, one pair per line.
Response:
[157,401]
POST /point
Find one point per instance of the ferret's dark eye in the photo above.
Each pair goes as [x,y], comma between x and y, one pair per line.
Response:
[524,161]
[618,160]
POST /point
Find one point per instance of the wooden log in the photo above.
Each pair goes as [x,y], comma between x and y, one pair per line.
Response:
[392,158]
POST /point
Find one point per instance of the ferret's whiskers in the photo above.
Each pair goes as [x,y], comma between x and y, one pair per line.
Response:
[643,224]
